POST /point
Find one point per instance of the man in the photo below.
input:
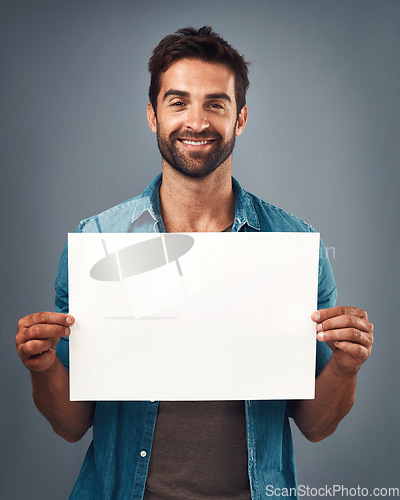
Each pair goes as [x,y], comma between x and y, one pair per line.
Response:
[194,450]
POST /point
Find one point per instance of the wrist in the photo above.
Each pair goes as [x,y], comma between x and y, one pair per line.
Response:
[343,372]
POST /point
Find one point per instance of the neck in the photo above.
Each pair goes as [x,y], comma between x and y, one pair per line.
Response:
[197,204]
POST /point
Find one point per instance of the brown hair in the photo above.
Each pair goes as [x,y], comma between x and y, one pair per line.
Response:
[202,44]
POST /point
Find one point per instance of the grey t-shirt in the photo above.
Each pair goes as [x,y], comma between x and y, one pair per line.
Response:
[199,452]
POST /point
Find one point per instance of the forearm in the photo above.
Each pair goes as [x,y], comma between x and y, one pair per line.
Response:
[334,397]
[50,389]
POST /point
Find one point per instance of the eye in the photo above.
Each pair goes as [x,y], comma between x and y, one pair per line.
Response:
[215,105]
[177,104]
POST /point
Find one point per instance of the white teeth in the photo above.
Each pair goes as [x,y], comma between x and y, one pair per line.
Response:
[195,143]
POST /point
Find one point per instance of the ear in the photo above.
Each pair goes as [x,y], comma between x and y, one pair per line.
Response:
[151,118]
[241,121]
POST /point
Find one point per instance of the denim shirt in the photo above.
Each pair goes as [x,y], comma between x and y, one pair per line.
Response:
[116,463]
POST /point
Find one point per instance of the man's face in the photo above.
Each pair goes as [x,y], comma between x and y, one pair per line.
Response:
[196,123]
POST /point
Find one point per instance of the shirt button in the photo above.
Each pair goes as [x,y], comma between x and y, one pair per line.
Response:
[143,453]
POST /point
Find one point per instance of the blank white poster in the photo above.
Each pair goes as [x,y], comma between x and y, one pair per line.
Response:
[196,316]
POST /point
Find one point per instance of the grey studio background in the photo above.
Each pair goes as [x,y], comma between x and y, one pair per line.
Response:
[322,142]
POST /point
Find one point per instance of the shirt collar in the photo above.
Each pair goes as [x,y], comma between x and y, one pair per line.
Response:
[148,201]
[245,213]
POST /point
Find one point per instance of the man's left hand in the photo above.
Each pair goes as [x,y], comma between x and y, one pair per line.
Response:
[348,333]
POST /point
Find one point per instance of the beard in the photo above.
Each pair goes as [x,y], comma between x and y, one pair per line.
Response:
[195,164]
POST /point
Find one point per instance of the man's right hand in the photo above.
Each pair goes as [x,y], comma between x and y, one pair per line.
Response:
[38,335]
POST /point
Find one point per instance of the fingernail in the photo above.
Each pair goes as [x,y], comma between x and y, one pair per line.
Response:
[321,336]
[316,316]
[69,320]
[319,326]
[67,331]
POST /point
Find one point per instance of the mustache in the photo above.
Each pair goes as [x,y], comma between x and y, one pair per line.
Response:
[192,136]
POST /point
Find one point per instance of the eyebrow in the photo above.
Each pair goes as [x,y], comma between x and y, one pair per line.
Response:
[181,93]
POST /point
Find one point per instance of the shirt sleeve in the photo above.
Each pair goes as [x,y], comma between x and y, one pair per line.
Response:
[327,294]
[62,302]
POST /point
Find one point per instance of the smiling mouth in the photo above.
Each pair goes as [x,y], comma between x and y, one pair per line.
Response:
[196,143]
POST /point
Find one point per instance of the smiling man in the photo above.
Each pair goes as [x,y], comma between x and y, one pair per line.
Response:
[195,450]
[193,110]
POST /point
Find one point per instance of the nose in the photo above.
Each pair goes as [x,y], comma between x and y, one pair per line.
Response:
[196,118]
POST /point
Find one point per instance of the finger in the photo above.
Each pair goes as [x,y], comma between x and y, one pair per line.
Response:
[37,332]
[359,352]
[346,334]
[324,314]
[345,321]
[34,347]
[44,331]
[46,317]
